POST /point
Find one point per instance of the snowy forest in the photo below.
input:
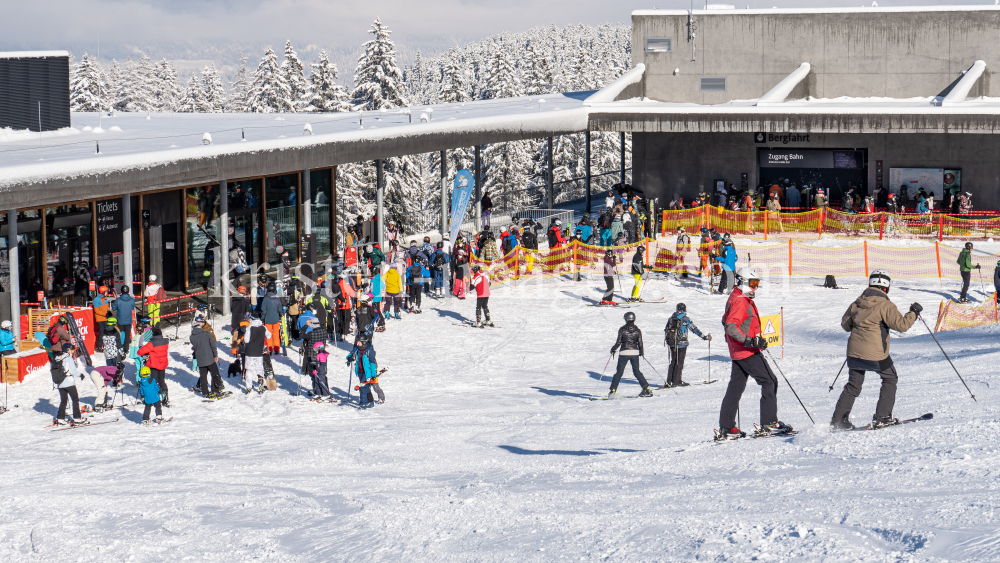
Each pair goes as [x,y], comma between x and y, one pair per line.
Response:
[541,60]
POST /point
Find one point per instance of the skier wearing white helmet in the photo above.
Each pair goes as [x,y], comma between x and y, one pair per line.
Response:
[869,320]
[743,334]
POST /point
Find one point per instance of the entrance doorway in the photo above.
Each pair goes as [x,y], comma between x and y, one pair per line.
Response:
[833,170]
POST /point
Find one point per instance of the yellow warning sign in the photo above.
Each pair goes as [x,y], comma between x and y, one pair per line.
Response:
[770,329]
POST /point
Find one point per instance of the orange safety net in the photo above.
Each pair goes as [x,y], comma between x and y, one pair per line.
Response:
[953,315]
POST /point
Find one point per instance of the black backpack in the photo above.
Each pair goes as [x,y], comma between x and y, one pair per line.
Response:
[671,334]
[438,260]
[58,372]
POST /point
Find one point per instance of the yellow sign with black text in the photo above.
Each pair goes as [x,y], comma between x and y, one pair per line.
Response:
[770,329]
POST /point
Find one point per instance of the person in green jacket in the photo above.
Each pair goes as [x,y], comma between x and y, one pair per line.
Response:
[965,265]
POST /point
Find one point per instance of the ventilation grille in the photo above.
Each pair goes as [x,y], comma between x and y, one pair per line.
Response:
[713,84]
[659,44]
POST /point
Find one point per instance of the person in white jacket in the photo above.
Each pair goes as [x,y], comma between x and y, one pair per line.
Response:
[65,372]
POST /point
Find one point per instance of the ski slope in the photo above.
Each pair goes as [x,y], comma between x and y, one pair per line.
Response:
[489,449]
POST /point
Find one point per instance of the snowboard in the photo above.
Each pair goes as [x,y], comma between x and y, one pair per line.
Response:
[926,416]
[84,425]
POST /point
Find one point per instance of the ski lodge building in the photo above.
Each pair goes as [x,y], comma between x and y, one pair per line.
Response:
[863,97]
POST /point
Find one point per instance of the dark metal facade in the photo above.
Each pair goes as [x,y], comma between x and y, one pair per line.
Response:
[34,91]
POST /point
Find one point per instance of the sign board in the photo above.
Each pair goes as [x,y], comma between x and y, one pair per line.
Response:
[146,215]
[92,285]
[937,180]
[810,158]
[109,226]
[41,296]
[770,329]
[460,195]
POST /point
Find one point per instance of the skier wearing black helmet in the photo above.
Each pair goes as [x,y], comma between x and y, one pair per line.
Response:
[675,336]
[609,277]
[638,269]
[630,342]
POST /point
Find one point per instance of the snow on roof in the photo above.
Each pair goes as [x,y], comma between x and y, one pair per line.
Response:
[830,10]
[843,105]
[136,140]
[32,54]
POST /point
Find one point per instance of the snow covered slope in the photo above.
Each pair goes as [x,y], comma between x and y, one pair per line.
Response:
[489,449]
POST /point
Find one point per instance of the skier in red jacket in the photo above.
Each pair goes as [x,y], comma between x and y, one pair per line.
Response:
[743,335]
[481,283]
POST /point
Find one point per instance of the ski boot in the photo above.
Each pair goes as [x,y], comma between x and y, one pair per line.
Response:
[58,422]
[772,429]
[683,384]
[477,324]
[488,322]
[646,393]
[397,316]
[729,434]
[842,424]
[81,422]
[883,422]
[147,423]
[613,394]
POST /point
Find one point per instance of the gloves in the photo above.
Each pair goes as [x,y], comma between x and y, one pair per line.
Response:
[709,337]
[756,342]
[612,353]
[978,266]
[916,308]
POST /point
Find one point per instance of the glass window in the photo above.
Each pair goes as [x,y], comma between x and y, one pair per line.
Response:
[202,211]
[244,194]
[320,185]
[280,228]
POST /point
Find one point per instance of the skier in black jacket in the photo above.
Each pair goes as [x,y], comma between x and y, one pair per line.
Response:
[205,353]
[630,341]
[638,269]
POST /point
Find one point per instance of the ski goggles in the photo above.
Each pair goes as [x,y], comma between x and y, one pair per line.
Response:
[753,283]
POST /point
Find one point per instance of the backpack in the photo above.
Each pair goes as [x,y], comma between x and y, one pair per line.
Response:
[671,334]
[58,372]
[438,260]
[52,334]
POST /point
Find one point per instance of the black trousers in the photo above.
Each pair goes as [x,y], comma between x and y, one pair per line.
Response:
[756,367]
[159,410]
[622,360]
[344,320]
[415,293]
[161,379]
[483,304]
[65,394]
[966,278]
[609,294]
[855,379]
[676,365]
[203,371]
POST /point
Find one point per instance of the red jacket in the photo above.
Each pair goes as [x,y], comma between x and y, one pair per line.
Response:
[741,321]
[157,350]
[482,283]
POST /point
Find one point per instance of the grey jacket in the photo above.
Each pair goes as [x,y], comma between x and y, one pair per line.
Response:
[868,320]
[204,346]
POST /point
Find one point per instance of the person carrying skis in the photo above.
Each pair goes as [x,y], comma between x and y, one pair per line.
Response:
[205,353]
[271,311]
[630,342]
[609,262]
[101,305]
[675,336]
[59,335]
[481,283]
[366,368]
[254,347]
[742,322]
[154,294]
[150,390]
[159,357]
[869,320]
[728,260]
[966,267]
[638,269]
[65,371]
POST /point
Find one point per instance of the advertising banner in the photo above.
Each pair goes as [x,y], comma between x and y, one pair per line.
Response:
[460,195]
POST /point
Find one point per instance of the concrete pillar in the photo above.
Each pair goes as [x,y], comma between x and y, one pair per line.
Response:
[224,241]
[306,203]
[444,193]
[15,273]
[548,179]
[587,133]
[127,241]
[622,147]
[479,190]
[379,200]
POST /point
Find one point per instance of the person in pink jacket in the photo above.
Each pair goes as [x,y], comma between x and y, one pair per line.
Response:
[481,283]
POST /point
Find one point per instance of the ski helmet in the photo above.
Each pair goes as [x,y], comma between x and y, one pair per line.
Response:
[242,290]
[145,371]
[6,325]
[318,345]
[745,274]
[968,245]
[640,248]
[271,286]
[365,338]
[682,307]
[630,317]
[476,268]
[879,278]
[680,229]
[609,252]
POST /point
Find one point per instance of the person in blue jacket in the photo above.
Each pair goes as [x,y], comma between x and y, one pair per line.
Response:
[366,368]
[6,338]
[378,292]
[122,310]
[728,259]
[675,336]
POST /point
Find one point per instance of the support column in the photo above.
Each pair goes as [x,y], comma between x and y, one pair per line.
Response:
[587,133]
[379,200]
[444,193]
[622,147]
[306,203]
[127,242]
[15,273]
[224,241]
[479,190]
[548,180]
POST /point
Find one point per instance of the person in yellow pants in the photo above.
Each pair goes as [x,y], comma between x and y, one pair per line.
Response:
[638,269]
[155,294]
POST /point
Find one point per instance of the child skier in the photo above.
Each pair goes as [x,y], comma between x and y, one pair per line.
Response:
[366,368]
[113,341]
[675,336]
[481,283]
[317,370]
[638,269]
[743,335]
[869,320]
[150,392]
[158,352]
[630,341]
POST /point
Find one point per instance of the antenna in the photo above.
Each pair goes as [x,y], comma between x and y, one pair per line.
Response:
[40,130]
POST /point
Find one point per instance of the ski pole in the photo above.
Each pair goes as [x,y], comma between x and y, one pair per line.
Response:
[658,373]
[643,286]
[592,393]
[838,375]
[982,285]
[350,378]
[790,387]
[709,360]
[947,358]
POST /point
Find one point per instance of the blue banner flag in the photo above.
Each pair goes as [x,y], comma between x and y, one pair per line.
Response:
[464,184]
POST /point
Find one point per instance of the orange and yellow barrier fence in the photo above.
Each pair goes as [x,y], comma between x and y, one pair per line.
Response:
[829,221]
[952,315]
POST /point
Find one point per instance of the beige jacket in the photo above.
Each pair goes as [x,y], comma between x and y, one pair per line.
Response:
[868,320]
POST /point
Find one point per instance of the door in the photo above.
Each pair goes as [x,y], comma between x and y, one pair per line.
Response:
[171,254]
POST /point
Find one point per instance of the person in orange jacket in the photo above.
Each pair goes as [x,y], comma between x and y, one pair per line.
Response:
[344,302]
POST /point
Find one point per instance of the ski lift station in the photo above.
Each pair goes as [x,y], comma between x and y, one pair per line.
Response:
[859,96]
